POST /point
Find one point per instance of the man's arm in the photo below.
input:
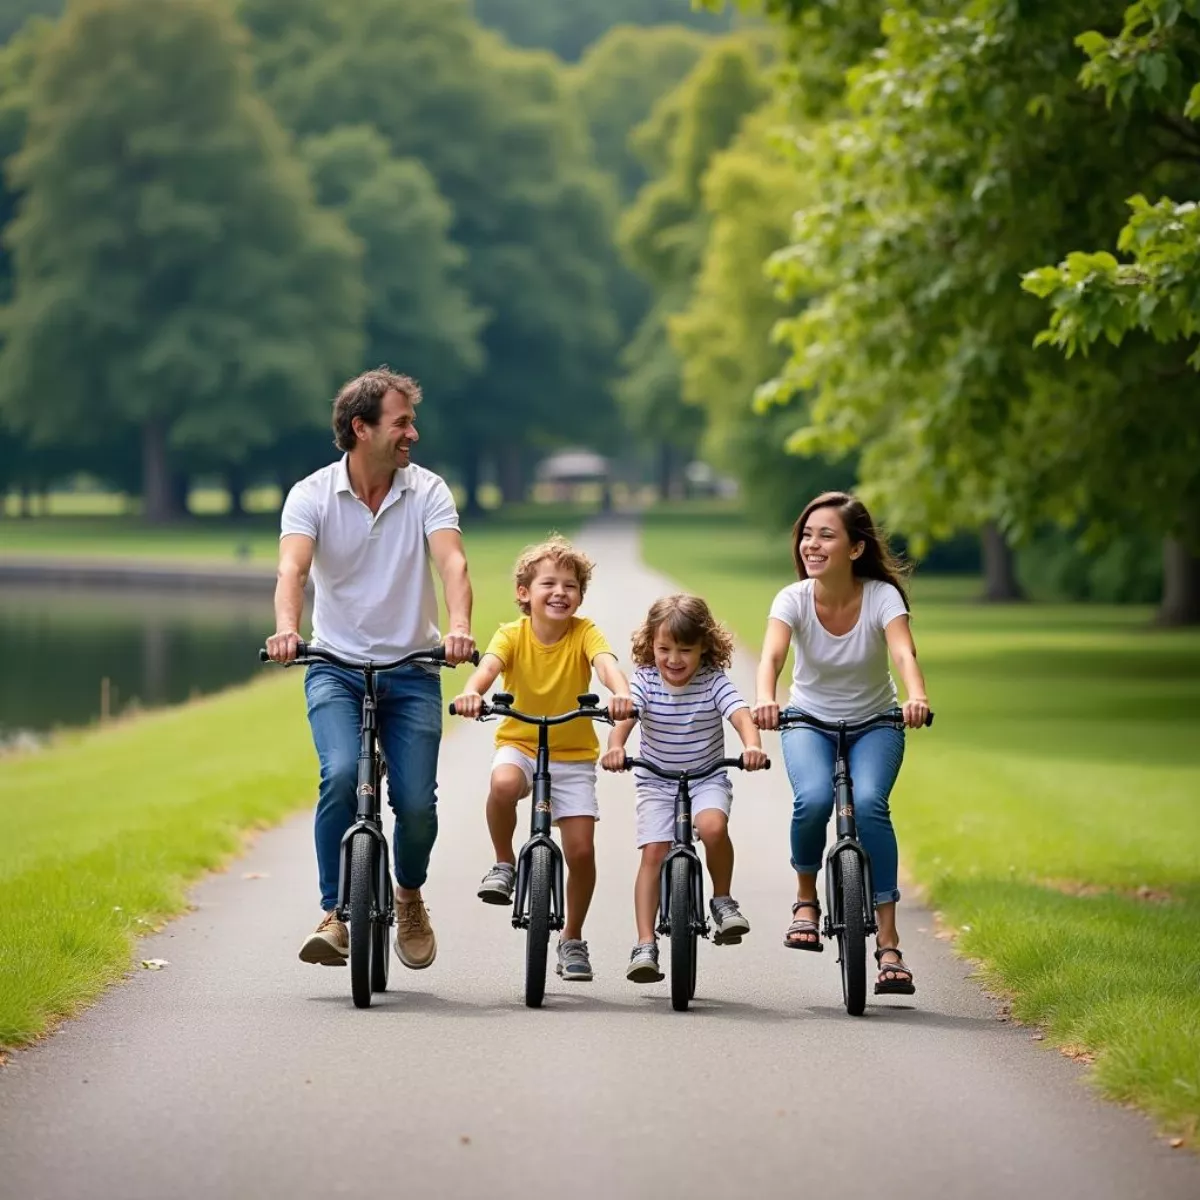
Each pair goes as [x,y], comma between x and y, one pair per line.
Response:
[450,560]
[295,562]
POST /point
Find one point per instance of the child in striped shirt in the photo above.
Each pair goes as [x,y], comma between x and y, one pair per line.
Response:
[683,696]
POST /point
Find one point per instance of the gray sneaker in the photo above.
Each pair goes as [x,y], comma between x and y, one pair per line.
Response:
[573,961]
[643,964]
[727,917]
[498,883]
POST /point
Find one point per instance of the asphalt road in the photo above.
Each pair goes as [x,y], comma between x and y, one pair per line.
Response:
[237,1071]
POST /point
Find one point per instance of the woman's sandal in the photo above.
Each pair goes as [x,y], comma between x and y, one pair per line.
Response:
[895,986]
[798,927]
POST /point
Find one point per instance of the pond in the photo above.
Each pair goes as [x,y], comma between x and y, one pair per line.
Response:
[72,655]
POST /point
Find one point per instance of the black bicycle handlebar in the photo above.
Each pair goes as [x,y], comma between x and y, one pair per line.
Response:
[504,710]
[703,773]
[306,654]
[895,720]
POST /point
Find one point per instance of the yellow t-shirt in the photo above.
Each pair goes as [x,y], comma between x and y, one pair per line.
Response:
[547,680]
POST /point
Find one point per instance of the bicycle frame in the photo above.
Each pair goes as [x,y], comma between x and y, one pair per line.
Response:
[540,827]
[843,804]
[368,818]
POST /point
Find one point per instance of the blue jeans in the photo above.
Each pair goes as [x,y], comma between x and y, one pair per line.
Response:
[409,718]
[875,758]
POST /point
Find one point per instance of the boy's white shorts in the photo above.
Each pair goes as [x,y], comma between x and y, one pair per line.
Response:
[572,784]
[656,807]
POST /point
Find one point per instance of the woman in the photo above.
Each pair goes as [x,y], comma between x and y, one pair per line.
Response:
[846,614]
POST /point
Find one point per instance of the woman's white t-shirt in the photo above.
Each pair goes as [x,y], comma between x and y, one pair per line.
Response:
[841,678]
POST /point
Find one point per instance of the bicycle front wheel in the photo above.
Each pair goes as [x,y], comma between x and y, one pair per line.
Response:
[683,940]
[852,938]
[362,886]
[537,939]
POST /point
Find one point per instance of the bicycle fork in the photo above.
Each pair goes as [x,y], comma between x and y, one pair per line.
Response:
[540,837]
[847,839]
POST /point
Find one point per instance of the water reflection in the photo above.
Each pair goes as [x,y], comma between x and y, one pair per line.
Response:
[59,645]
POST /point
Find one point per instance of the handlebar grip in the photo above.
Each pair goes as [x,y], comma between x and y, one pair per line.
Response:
[474,660]
[929,719]
[453,710]
[263,656]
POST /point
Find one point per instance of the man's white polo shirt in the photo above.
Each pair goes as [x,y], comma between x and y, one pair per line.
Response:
[373,588]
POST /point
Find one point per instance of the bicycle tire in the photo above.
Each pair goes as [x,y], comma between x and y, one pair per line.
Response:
[683,940]
[852,939]
[362,875]
[381,952]
[537,938]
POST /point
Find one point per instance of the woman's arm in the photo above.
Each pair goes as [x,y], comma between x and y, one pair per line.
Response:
[903,650]
[774,654]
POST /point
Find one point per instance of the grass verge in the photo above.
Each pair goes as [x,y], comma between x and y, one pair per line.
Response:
[1052,814]
[101,832]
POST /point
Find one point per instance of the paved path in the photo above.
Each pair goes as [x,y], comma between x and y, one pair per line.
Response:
[239,1072]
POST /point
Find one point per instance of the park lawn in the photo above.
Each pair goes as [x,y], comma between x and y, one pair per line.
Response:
[102,831]
[1051,815]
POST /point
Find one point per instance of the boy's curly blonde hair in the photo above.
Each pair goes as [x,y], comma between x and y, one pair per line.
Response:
[561,553]
[689,620]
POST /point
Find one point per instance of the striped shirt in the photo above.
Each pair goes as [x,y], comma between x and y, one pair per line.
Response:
[681,728]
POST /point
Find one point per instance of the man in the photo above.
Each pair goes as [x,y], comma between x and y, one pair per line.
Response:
[367,527]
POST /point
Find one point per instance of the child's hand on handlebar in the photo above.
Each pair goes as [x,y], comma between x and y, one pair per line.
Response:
[468,704]
[753,758]
[916,712]
[620,708]
[766,714]
[614,760]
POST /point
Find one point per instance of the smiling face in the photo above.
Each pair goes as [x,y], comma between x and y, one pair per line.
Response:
[388,443]
[676,662]
[553,595]
[825,547]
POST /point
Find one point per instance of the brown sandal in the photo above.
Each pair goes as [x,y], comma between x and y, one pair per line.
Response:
[798,926]
[896,986]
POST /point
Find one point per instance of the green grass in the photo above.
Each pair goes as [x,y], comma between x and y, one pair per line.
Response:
[101,832]
[1062,776]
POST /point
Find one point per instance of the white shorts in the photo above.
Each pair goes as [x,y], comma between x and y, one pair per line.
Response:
[572,784]
[656,807]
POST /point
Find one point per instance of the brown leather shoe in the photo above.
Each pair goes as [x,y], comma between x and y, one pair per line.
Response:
[415,944]
[329,945]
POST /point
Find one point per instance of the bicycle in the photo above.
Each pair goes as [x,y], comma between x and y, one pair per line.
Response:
[849,892]
[365,893]
[538,905]
[681,881]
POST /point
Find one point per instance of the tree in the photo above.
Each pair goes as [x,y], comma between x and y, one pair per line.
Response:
[1152,69]
[15,14]
[965,153]
[723,337]
[174,277]
[663,234]
[417,313]
[569,29]
[511,157]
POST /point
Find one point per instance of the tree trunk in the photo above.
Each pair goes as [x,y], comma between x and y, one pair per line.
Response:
[514,488]
[665,470]
[472,478]
[156,478]
[1000,584]
[235,485]
[26,500]
[1181,585]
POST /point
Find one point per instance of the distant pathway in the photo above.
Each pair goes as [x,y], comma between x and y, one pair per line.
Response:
[239,1072]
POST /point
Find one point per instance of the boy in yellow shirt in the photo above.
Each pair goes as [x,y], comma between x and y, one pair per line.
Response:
[547,658]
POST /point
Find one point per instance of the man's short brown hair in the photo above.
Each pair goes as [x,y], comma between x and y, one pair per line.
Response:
[363,397]
[561,553]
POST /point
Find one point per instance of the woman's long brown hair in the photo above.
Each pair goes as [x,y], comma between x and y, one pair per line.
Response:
[876,561]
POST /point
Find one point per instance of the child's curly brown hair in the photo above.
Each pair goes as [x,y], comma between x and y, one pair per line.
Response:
[561,553]
[689,620]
